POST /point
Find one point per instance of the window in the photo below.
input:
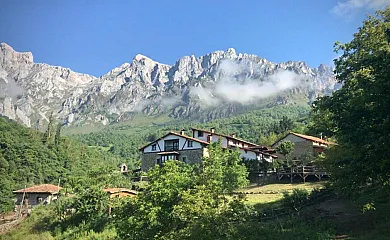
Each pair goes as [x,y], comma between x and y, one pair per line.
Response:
[200,134]
[154,147]
[190,143]
[165,158]
[171,145]
[184,159]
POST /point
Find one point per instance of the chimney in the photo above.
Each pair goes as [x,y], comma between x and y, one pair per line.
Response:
[233,135]
[209,138]
[212,130]
[182,132]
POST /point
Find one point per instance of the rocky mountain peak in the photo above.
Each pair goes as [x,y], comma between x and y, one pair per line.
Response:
[140,57]
[214,85]
[9,55]
[231,52]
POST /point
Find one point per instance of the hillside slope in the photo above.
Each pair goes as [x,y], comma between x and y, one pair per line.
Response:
[26,160]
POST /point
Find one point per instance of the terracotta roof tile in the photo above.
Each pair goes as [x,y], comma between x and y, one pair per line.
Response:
[311,138]
[227,136]
[43,188]
[176,134]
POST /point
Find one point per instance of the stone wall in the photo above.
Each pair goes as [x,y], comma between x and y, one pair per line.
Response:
[189,156]
[33,198]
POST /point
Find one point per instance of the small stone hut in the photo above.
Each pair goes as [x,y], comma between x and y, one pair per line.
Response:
[36,195]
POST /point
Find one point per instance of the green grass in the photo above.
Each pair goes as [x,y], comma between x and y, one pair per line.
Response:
[271,193]
[253,199]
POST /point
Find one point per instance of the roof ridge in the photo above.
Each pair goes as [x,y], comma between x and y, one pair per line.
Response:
[225,135]
[46,187]
[313,138]
[177,134]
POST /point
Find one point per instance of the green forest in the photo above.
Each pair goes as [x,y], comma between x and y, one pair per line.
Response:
[29,157]
[263,126]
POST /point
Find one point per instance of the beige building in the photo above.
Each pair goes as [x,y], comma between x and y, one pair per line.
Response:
[305,146]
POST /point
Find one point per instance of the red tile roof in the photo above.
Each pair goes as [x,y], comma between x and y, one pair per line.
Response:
[190,138]
[176,134]
[311,138]
[224,135]
[256,151]
[43,188]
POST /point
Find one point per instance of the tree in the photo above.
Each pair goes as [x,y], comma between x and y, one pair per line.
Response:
[284,125]
[48,135]
[222,171]
[57,136]
[286,148]
[268,140]
[358,114]
[186,202]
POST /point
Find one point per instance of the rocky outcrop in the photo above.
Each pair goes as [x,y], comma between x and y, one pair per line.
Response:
[215,85]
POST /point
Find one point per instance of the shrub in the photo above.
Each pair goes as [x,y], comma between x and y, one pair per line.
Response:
[295,199]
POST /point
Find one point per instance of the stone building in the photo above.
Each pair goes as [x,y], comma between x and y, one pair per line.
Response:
[191,149]
[305,146]
[36,195]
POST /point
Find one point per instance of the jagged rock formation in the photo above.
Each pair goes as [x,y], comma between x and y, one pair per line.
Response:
[218,84]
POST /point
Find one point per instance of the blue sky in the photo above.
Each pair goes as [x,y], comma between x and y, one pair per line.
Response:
[93,36]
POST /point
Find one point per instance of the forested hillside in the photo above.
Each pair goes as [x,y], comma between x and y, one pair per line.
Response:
[30,157]
[259,126]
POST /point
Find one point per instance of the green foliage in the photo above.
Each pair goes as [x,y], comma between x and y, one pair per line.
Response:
[263,126]
[184,201]
[286,148]
[57,137]
[222,171]
[295,199]
[26,160]
[358,114]
[48,135]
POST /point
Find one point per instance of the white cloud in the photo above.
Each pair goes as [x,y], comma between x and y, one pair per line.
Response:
[348,8]
[229,89]
[233,85]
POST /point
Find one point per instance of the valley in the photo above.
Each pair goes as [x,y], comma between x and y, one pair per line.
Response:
[223,145]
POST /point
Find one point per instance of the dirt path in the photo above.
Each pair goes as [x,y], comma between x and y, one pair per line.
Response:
[7,226]
[8,222]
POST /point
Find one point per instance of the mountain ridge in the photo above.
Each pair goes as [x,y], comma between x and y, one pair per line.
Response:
[193,87]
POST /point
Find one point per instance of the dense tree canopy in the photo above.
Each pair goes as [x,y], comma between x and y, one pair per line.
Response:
[186,202]
[358,115]
[28,157]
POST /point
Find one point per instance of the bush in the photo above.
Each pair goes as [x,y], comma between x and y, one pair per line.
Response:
[295,199]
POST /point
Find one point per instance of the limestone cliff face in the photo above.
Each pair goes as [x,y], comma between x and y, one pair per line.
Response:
[214,85]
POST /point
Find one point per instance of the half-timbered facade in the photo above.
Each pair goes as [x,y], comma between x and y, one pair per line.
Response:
[191,149]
